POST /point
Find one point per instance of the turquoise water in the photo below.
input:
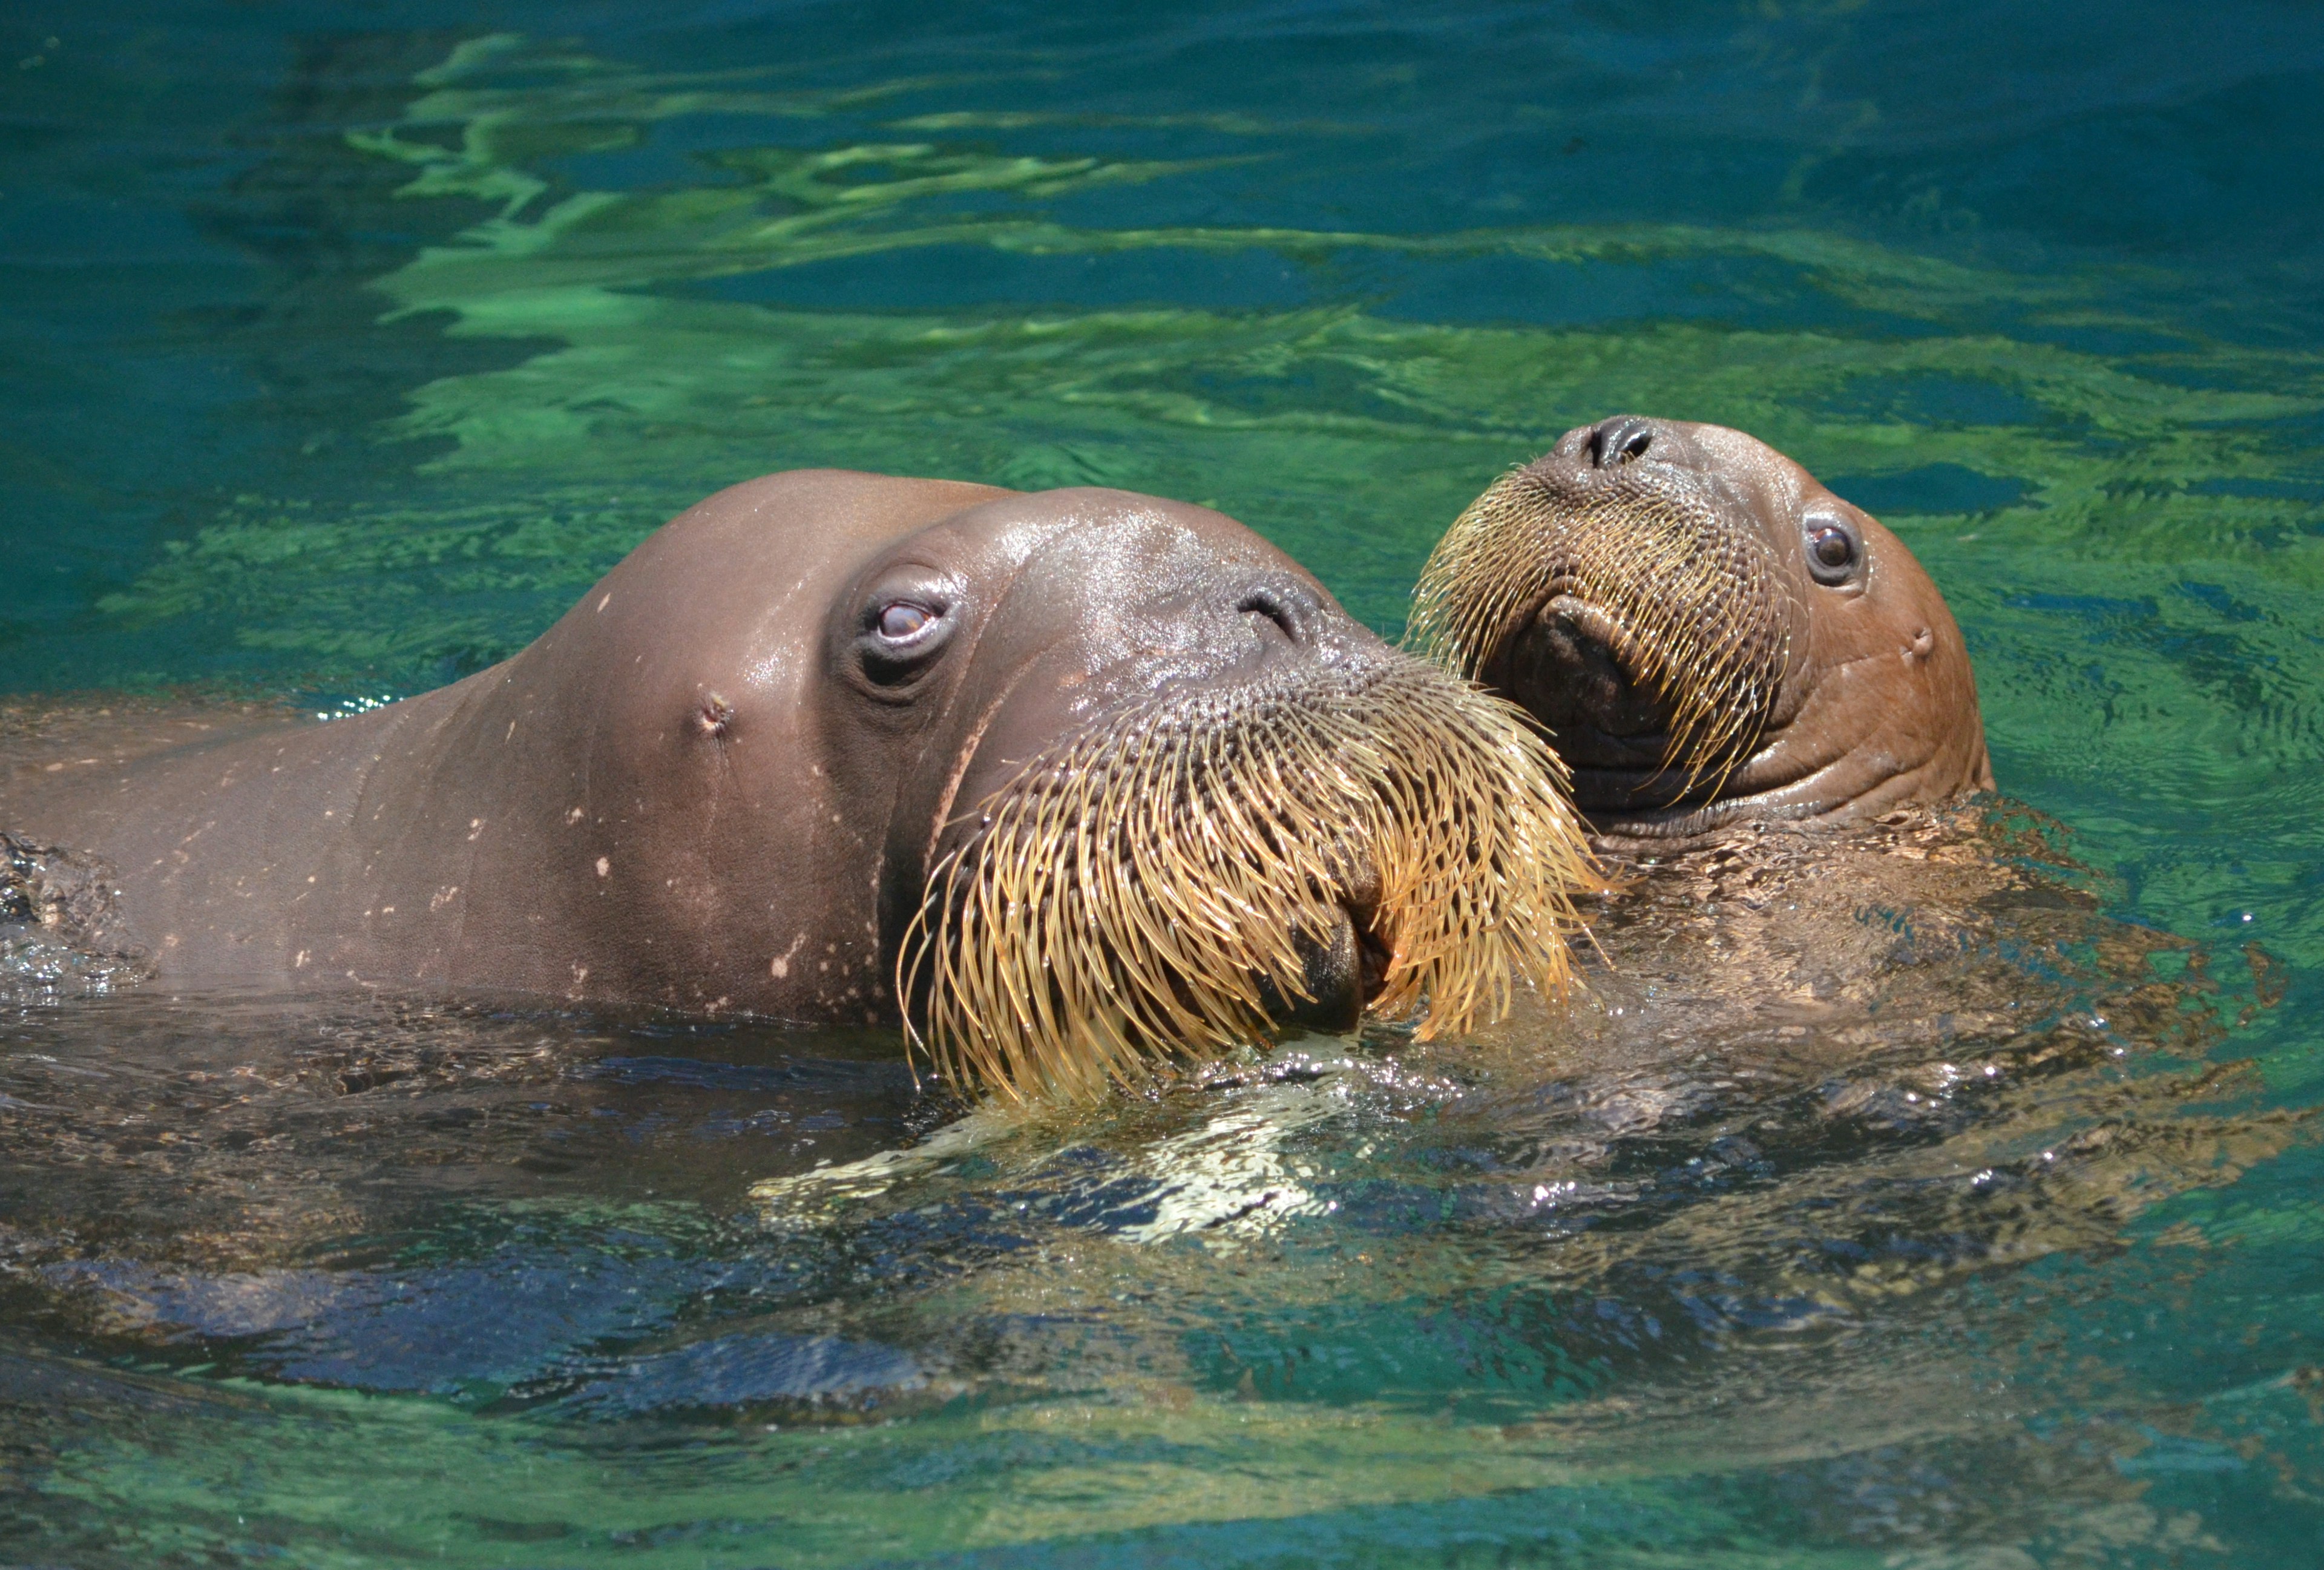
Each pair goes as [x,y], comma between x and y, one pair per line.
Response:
[342,345]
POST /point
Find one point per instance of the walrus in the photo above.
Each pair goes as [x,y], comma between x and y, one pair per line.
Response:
[1771,723]
[1070,783]
[1708,635]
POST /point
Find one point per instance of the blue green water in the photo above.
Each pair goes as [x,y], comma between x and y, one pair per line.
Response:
[342,346]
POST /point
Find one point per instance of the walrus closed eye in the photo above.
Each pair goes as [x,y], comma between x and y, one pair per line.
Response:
[1073,785]
[1708,635]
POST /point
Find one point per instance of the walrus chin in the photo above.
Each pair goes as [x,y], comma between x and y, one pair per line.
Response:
[1651,639]
[1195,873]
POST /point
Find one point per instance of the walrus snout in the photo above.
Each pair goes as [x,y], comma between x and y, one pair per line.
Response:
[1584,672]
[1611,452]
[1292,843]
[1613,443]
[1344,972]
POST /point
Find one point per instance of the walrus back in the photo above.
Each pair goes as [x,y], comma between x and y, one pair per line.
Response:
[217,846]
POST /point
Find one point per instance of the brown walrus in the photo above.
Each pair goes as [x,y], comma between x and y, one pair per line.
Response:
[1770,718]
[1071,783]
[1708,635]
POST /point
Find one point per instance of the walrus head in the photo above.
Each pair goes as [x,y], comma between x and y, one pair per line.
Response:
[1152,793]
[1708,634]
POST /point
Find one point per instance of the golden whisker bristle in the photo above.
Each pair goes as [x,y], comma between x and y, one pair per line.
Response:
[1697,606]
[1127,900]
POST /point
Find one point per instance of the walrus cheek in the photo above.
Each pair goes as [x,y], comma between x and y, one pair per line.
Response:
[1856,730]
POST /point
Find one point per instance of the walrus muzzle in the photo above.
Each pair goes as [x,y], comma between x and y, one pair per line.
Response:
[1660,630]
[1190,874]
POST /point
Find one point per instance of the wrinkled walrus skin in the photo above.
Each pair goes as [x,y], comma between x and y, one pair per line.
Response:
[731,777]
[1708,633]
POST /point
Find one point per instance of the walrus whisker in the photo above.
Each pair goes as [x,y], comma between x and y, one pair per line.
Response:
[1136,895]
[1671,581]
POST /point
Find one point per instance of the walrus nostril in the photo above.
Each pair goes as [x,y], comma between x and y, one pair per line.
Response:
[1617,442]
[1272,606]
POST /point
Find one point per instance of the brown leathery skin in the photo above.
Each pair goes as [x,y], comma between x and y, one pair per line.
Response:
[557,824]
[1856,695]
[721,782]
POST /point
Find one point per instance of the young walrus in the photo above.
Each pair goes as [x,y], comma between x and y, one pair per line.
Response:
[1072,783]
[1708,635]
[1769,718]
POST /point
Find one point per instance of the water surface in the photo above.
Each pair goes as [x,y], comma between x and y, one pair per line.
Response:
[344,345]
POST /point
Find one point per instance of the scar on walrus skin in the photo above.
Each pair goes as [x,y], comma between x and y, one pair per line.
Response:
[1073,785]
[1708,634]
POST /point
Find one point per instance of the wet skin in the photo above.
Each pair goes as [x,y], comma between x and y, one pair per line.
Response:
[720,781]
[1874,704]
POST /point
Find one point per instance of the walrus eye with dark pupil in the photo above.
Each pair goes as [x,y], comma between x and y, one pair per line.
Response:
[903,619]
[901,637]
[1831,551]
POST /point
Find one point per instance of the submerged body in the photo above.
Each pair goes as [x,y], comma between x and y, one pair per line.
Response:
[790,748]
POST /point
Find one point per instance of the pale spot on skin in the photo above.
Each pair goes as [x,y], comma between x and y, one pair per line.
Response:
[387,909]
[475,827]
[603,603]
[604,865]
[298,961]
[444,897]
[511,734]
[781,966]
[574,816]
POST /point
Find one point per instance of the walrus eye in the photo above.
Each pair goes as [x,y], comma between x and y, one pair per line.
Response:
[902,631]
[901,619]
[1831,553]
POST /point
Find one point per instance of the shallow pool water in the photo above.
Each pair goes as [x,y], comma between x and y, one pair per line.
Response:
[342,345]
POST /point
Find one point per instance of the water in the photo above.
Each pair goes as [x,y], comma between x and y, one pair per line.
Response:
[342,348]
